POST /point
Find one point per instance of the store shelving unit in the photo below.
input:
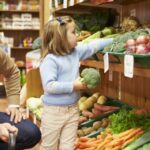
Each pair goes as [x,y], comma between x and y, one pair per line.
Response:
[131,90]
[18,51]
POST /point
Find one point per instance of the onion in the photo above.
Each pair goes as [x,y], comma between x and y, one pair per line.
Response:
[131,49]
[142,49]
[142,39]
[130,42]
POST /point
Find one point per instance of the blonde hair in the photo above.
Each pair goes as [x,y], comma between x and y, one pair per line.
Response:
[55,36]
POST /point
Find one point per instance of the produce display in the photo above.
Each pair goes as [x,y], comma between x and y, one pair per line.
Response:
[124,41]
[108,141]
[107,124]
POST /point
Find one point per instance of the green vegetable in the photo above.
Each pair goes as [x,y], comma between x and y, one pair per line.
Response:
[108,31]
[125,120]
[38,113]
[145,138]
[145,147]
[93,36]
[34,103]
[91,77]
[37,43]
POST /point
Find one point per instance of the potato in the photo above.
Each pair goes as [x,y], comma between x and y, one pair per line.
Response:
[105,123]
[82,119]
[96,95]
[102,100]
[80,133]
[97,125]
[82,99]
[88,130]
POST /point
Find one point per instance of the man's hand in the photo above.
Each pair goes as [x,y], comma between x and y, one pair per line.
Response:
[16,114]
[5,128]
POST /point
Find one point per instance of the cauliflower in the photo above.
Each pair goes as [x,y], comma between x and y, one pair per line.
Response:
[34,103]
[91,77]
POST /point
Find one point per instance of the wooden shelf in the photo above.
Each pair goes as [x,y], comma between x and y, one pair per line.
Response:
[2,29]
[19,11]
[22,48]
[143,72]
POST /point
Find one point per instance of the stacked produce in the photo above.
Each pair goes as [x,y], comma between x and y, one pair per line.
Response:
[94,106]
[108,141]
[126,129]
[120,43]
[93,114]
[130,23]
[139,45]
[97,126]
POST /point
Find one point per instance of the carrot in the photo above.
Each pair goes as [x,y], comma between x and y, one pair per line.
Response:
[117,147]
[115,142]
[84,144]
[82,119]
[131,139]
[90,148]
[102,144]
[83,139]
[134,132]
[125,133]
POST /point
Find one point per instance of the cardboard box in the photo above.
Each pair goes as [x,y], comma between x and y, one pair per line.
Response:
[34,84]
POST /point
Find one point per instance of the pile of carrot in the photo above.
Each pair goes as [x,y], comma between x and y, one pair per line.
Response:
[107,141]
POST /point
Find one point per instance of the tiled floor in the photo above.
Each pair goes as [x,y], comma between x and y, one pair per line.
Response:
[3,105]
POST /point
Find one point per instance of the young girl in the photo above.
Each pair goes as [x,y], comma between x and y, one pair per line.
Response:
[59,73]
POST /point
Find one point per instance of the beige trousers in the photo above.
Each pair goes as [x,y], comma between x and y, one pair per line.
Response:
[59,127]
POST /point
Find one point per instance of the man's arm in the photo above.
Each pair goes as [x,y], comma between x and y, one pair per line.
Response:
[12,81]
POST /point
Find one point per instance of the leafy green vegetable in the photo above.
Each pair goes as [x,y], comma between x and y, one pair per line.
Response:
[145,147]
[91,77]
[125,120]
[93,36]
[37,43]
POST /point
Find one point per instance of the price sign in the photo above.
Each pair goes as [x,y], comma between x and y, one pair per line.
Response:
[128,66]
[106,62]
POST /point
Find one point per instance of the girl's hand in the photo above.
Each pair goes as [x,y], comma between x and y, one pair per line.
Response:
[5,128]
[16,114]
[78,85]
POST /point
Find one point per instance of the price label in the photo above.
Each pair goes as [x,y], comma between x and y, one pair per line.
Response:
[27,112]
[81,1]
[110,75]
[106,62]
[128,66]
[34,119]
[56,3]
[65,4]
[50,4]
[71,2]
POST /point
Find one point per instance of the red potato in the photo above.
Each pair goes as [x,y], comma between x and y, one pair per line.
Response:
[97,112]
[82,119]
[105,108]
[87,113]
[83,139]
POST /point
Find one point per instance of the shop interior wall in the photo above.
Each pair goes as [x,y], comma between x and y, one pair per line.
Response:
[142,9]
